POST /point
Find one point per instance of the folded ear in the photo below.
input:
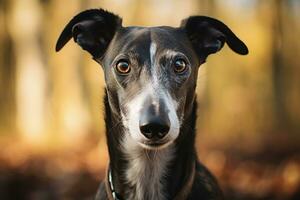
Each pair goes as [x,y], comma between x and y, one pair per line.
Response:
[92,30]
[208,36]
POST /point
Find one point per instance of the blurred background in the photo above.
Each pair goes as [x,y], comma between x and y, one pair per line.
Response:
[52,135]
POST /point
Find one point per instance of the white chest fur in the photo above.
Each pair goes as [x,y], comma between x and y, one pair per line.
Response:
[146,170]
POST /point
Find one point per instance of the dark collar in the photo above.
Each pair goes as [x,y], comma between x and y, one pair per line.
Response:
[114,194]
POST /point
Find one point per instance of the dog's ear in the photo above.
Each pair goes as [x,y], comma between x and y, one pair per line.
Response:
[208,36]
[92,30]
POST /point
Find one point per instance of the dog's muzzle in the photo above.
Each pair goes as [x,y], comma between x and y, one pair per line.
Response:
[152,119]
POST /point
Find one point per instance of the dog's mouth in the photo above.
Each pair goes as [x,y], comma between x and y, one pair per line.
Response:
[155,144]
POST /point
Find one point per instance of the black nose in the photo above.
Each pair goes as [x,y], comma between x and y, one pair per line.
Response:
[154,127]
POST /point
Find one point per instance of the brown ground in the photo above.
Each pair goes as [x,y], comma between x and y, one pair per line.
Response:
[26,174]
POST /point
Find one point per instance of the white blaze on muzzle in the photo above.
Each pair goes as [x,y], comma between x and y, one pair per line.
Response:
[135,107]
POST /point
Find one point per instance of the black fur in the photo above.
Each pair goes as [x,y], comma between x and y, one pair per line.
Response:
[92,30]
[208,35]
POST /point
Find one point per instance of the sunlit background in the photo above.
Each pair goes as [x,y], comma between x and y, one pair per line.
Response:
[51,112]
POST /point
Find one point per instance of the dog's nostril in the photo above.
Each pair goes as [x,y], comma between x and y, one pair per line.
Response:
[154,130]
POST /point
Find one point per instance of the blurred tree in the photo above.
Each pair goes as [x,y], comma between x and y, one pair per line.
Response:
[7,73]
[278,64]
[30,70]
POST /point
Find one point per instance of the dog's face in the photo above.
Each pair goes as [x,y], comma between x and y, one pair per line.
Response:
[150,73]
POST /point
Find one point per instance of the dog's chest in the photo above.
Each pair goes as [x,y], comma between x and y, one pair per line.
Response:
[146,172]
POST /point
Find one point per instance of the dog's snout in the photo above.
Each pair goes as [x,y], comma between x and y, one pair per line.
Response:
[154,125]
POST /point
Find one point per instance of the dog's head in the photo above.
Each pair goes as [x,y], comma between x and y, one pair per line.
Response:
[151,72]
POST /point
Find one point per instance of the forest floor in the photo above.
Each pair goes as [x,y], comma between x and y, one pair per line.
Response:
[27,174]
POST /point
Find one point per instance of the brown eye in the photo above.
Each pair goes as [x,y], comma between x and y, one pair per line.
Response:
[180,66]
[123,67]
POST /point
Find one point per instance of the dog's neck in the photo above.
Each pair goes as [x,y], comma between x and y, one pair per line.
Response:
[138,173]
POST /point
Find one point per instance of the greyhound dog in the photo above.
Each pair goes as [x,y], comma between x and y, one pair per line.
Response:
[150,102]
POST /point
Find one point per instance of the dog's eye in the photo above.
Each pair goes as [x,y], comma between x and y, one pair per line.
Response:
[180,66]
[123,67]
